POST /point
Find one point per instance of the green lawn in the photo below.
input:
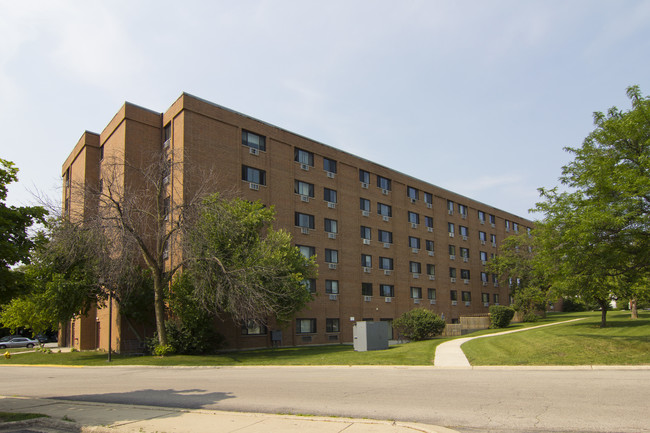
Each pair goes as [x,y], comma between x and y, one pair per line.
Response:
[622,342]
[11,417]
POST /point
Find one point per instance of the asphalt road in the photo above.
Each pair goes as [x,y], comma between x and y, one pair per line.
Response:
[479,400]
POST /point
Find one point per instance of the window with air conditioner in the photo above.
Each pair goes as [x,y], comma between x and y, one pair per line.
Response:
[385,236]
[412,193]
[451,228]
[428,199]
[329,165]
[386,290]
[464,274]
[383,183]
[453,295]
[450,207]
[415,267]
[431,294]
[331,226]
[416,292]
[386,263]
[304,220]
[332,325]
[253,175]
[329,195]
[303,157]
[252,140]
[307,251]
[384,210]
[428,245]
[332,287]
[252,327]
[305,326]
[366,233]
[304,189]
[431,270]
[364,177]
[413,218]
[414,242]
[310,285]
[366,289]
[364,204]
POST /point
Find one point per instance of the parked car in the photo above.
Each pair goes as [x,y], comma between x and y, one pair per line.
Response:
[8,337]
[18,342]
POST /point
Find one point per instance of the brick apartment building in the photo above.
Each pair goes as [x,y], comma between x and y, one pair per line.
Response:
[385,242]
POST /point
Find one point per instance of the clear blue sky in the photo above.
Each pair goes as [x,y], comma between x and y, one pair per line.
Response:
[479,97]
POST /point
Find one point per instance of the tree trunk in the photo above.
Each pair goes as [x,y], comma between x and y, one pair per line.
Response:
[159,308]
[634,313]
[604,304]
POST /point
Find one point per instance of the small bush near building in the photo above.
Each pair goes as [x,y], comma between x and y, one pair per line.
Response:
[500,316]
[419,324]
[530,317]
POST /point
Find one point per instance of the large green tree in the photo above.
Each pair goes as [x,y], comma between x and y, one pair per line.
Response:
[15,241]
[595,236]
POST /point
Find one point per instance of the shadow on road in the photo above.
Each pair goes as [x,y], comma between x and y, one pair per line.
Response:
[185,399]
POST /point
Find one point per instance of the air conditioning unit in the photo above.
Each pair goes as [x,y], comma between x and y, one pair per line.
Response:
[465,259]
[331,205]
[365,213]
[366,269]
[463,216]
[304,230]
[413,200]
[464,238]
[430,229]
[481,222]
[304,166]
[331,265]
[386,245]
[416,300]
[507,229]
[416,275]
[166,180]
[492,225]
[454,303]
[385,218]
[167,143]
[432,277]
[450,212]
[331,235]
[431,253]
[482,242]
[367,298]
[364,185]
[384,191]
[387,299]
[165,255]
[387,271]
[466,281]
[494,244]
[330,175]
[452,257]
[467,303]
[253,151]
[486,304]
[484,283]
[414,225]
[333,297]
[496,284]
[366,241]
[451,234]
[432,301]
[452,279]
[254,186]
[496,303]
[483,262]
[304,198]
[415,250]
[429,205]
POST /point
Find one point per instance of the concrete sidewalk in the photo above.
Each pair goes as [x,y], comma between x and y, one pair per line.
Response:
[77,416]
[450,355]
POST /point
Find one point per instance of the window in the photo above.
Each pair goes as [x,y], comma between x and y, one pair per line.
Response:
[431,269]
[385,237]
[495,298]
[428,222]
[453,295]
[528,231]
[364,176]
[306,251]
[253,140]
[251,327]
[452,272]
[331,226]
[481,216]
[383,183]
[464,274]
[495,279]
[484,256]
[250,174]
[482,236]
[304,220]
[484,277]
[414,218]
[303,157]
[507,225]
[428,198]
[462,209]
[485,298]
[386,263]
[167,131]
[450,207]
[364,204]
[366,289]
[415,267]
[305,326]
[493,239]
[365,232]
[431,294]
[166,206]
[466,296]
[332,287]
[464,252]
[101,152]
[414,242]
[384,210]
[416,292]
[452,251]
[515,227]
[329,195]
[463,231]
[329,165]
[412,193]
[451,229]
[310,285]
[331,256]
[366,261]
[386,290]
[332,325]
[303,188]
[428,245]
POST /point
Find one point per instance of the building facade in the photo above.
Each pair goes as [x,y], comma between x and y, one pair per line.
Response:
[384,241]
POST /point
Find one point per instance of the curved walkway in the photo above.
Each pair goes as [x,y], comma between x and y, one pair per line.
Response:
[450,355]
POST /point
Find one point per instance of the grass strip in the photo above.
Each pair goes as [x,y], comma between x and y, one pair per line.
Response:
[18,416]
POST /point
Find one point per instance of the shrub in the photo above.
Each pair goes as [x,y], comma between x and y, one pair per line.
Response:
[530,317]
[419,324]
[500,316]
[163,350]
